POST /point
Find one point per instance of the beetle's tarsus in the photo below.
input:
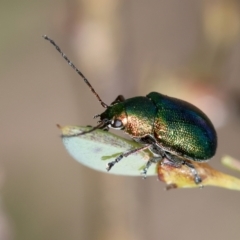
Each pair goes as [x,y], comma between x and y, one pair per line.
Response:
[144,173]
[145,170]
[109,166]
[197,178]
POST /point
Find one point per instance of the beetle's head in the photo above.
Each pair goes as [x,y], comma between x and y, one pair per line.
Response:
[114,116]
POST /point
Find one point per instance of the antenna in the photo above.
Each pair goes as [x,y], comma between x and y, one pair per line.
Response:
[75,68]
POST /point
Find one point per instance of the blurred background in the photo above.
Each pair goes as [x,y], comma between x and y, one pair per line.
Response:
[186,49]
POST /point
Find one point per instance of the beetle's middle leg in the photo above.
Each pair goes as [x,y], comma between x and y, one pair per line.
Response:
[119,158]
[149,163]
[178,162]
[155,149]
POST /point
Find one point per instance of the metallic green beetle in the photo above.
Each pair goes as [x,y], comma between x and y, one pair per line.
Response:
[170,128]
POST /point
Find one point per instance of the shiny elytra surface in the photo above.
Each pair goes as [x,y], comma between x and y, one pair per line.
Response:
[182,128]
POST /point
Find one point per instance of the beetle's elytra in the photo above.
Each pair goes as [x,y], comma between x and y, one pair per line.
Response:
[168,127]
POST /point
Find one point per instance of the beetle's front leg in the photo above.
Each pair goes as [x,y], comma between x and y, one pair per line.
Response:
[119,158]
[120,98]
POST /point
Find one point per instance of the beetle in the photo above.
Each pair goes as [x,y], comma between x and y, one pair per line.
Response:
[169,127]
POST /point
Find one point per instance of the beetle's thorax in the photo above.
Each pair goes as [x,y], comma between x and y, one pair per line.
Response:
[137,115]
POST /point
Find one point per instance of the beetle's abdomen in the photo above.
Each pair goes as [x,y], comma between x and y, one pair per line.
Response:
[183,129]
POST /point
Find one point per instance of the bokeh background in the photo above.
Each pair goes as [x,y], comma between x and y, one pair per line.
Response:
[187,49]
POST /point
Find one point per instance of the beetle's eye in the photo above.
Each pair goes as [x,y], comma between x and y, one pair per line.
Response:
[116,123]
